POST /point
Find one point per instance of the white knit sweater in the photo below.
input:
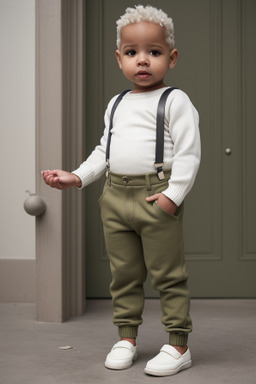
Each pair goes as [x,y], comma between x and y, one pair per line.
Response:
[132,150]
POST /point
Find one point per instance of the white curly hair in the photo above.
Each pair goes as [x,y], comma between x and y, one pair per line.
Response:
[148,13]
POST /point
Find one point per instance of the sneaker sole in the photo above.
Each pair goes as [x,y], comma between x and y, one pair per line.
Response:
[119,366]
[167,372]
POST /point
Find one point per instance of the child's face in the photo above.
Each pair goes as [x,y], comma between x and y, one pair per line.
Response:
[144,55]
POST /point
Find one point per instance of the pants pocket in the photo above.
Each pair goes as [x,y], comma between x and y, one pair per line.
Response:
[177,215]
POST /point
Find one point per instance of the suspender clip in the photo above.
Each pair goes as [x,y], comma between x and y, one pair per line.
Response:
[107,167]
[160,172]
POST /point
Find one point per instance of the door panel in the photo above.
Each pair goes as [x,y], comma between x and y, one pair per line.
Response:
[215,67]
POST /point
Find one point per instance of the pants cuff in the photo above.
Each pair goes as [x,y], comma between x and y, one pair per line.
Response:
[180,339]
[128,332]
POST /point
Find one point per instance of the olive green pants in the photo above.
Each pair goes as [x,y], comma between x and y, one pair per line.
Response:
[142,238]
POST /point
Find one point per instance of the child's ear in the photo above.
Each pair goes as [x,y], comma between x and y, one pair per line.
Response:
[118,57]
[173,58]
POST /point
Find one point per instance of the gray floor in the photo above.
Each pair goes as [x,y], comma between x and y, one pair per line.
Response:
[223,345]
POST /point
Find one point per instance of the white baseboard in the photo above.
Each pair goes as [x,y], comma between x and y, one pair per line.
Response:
[17,281]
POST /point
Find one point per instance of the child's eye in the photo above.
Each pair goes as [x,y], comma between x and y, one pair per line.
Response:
[131,52]
[154,53]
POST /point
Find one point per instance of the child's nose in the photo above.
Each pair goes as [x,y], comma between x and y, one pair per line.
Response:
[142,60]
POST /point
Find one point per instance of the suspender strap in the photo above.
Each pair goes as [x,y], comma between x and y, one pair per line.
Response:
[159,159]
[118,99]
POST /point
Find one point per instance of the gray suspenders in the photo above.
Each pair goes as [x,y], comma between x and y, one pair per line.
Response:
[119,98]
[159,162]
[159,159]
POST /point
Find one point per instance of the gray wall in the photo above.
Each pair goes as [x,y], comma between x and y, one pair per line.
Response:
[17,148]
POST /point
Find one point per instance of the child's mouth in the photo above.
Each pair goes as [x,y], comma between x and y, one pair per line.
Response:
[143,74]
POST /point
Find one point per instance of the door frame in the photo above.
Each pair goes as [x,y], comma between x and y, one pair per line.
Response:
[60,109]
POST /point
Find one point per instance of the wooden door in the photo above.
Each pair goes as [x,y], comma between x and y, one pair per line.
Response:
[216,66]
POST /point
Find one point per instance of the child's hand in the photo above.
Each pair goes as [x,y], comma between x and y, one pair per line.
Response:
[61,179]
[166,204]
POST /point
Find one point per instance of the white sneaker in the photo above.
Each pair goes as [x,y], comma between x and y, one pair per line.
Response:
[121,355]
[168,362]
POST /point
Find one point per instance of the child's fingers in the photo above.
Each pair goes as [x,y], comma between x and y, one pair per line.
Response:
[46,174]
[57,185]
[51,178]
[153,197]
[58,179]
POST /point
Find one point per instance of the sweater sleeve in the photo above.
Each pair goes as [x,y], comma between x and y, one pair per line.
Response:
[184,131]
[94,166]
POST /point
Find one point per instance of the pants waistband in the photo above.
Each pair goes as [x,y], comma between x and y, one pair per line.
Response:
[138,180]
